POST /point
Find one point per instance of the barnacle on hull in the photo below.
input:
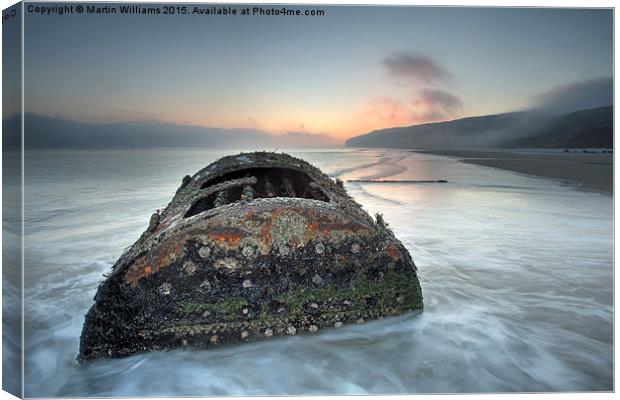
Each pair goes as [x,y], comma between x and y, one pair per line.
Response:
[252,246]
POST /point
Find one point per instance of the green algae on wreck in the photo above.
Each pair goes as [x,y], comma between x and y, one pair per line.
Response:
[252,246]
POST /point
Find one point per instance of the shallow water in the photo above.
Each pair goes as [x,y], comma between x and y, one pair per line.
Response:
[516,273]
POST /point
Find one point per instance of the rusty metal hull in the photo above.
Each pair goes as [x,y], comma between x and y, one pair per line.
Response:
[253,246]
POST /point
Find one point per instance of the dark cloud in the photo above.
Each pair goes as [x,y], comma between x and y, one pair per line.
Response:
[415,66]
[435,104]
[577,96]
[429,102]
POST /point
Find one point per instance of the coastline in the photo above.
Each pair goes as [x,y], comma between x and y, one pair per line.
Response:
[593,171]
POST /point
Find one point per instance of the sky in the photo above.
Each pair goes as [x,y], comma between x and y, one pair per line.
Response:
[346,73]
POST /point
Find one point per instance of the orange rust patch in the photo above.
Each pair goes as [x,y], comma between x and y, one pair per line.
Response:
[326,227]
[393,251]
[314,227]
[167,253]
[266,229]
[140,269]
[161,257]
[266,233]
[229,238]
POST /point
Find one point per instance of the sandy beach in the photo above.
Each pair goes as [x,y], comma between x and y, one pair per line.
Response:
[593,171]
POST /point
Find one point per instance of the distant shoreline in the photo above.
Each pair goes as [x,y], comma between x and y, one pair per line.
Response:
[593,171]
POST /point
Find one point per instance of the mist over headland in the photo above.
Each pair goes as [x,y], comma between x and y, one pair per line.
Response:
[590,128]
[578,114]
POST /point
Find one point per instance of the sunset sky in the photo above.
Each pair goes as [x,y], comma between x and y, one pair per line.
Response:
[351,71]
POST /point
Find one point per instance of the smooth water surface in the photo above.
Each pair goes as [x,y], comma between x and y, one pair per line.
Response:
[516,273]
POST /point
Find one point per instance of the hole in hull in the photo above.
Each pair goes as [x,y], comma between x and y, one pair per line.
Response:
[269,182]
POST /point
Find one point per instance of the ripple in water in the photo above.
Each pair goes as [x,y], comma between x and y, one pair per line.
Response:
[516,274]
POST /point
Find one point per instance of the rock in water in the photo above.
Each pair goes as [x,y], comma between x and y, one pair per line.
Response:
[222,267]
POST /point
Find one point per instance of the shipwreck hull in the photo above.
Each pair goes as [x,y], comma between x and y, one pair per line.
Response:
[252,246]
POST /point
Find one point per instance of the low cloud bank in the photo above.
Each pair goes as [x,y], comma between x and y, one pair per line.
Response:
[56,132]
[575,96]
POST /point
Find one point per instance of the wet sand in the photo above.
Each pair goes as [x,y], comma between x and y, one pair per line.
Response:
[593,171]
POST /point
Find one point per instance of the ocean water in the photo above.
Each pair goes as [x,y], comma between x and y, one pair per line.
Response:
[516,272]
